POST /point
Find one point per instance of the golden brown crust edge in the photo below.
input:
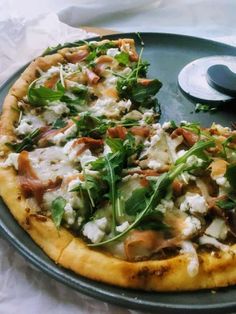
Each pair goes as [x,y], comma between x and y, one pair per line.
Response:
[72,253]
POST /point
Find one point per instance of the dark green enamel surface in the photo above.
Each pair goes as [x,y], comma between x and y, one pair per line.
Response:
[167,54]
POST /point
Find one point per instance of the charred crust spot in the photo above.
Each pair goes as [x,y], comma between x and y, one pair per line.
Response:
[19,197]
[145,272]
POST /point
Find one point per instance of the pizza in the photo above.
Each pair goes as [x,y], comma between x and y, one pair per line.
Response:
[103,188]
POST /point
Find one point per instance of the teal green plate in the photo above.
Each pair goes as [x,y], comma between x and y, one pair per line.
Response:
[167,54]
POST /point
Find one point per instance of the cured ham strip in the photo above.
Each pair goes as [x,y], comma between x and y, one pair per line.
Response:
[77,56]
[141,244]
[102,63]
[88,143]
[31,185]
[92,77]
[189,137]
[142,131]
[51,82]
[47,133]
[117,132]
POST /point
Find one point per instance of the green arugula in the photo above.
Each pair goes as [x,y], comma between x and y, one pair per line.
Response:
[231,175]
[205,108]
[27,142]
[57,210]
[136,202]
[226,204]
[197,150]
[123,58]
[42,96]
[159,189]
[58,124]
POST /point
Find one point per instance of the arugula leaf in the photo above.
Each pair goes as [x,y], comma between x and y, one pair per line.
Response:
[58,124]
[96,51]
[205,108]
[57,210]
[196,149]
[226,204]
[123,58]
[157,225]
[42,96]
[231,175]
[115,144]
[27,143]
[136,202]
[139,94]
[160,187]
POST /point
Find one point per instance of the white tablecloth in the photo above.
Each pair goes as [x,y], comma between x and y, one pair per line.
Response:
[26,29]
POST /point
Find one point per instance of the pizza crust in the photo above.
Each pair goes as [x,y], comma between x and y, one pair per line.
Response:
[72,253]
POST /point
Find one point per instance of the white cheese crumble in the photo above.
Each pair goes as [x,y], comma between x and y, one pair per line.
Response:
[61,137]
[69,214]
[209,240]
[223,182]
[165,205]
[54,111]
[109,107]
[191,226]
[112,52]
[12,160]
[166,125]
[122,227]
[194,161]
[28,124]
[193,262]
[195,203]
[94,230]
[217,229]
[153,164]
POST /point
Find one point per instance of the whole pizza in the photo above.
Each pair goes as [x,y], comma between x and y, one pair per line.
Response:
[103,188]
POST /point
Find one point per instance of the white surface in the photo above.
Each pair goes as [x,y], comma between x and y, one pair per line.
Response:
[23,35]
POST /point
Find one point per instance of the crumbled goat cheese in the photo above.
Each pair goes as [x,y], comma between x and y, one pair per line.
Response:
[191,226]
[112,52]
[107,150]
[209,240]
[153,164]
[223,182]
[166,125]
[69,214]
[61,137]
[94,230]
[122,227]
[54,111]
[165,205]
[217,229]
[12,160]
[194,161]
[73,184]
[28,124]
[194,203]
